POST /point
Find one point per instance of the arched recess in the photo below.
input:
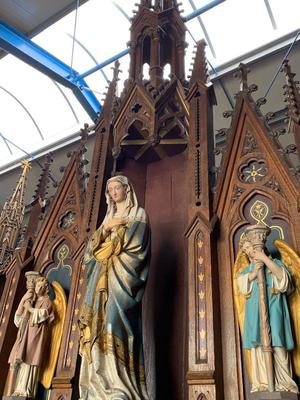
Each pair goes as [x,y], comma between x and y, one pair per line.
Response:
[262,205]
[167,71]
[59,267]
[166,50]
[146,53]
[258,206]
[146,71]
[133,141]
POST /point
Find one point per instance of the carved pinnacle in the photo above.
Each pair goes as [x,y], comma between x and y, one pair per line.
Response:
[242,73]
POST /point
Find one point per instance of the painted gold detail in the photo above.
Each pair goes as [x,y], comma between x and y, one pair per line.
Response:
[203,353]
[201,295]
[59,306]
[200,260]
[202,334]
[200,244]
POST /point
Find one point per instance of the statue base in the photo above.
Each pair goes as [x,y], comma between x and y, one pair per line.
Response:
[274,396]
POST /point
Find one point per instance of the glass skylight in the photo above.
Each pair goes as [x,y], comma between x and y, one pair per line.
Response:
[234,28]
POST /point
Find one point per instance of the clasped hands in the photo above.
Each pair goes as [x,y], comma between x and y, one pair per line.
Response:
[115,222]
[259,258]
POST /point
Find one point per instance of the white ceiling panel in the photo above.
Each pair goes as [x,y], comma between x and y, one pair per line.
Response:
[32,16]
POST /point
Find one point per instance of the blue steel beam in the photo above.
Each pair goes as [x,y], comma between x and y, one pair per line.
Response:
[103,64]
[89,54]
[202,10]
[20,46]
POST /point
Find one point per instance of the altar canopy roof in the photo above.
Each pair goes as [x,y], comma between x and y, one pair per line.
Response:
[38,113]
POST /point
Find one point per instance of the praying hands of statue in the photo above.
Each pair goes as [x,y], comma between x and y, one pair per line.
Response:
[259,258]
[113,223]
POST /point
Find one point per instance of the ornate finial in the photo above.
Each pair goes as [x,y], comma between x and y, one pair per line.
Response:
[145,3]
[116,70]
[42,186]
[25,165]
[199,70]
[110,98]
[291,92]
[84,133]
[166,4]
[38,201]
[242,73]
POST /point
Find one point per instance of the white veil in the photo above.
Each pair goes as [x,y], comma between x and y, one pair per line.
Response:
[132,209]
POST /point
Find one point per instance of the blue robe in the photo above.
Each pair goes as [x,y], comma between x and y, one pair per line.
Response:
[279,317]
[117,268]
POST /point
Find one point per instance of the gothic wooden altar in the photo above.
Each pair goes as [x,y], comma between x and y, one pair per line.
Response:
[159,134]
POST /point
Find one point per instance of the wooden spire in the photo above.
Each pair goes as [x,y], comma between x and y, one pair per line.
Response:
[11,219]
[37,204]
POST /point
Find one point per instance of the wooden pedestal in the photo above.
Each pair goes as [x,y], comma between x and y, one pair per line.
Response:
[274,396]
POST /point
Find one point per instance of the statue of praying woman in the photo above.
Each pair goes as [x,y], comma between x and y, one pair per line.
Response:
[117,260]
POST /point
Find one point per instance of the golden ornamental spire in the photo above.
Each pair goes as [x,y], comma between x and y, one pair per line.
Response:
[11,219]
[26,166]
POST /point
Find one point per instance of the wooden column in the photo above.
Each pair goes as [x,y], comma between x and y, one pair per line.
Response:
[155,67]
[203,377]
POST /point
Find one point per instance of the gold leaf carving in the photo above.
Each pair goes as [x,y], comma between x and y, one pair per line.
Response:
[201,277]
[203,353]
[201,295]
[200,244]
[200,260]
[202,334]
